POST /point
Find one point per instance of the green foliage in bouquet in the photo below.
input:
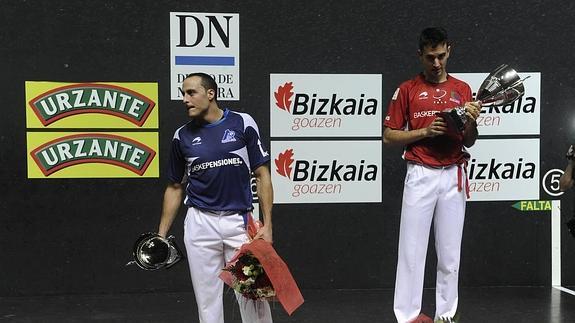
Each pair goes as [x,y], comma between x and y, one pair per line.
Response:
[453,319]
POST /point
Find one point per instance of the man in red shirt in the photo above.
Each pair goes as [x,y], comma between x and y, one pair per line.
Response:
[436,182]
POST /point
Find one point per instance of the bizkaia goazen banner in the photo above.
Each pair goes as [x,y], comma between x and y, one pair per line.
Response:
[326,171]
[325,105]
[504,170]
[209,43]
[518,118]
[91,105]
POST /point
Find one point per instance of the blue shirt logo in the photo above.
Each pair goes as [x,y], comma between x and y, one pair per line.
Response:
[229,136]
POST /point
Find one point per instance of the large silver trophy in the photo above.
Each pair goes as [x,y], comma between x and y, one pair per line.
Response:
[501,87]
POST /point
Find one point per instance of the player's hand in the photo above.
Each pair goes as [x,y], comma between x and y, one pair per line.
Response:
[436,128]
[570,153]
[265,232]
[472,110]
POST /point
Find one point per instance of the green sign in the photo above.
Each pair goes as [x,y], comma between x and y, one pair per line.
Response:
[533,205]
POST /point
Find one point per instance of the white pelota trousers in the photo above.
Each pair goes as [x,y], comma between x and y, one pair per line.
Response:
[430,194]
[212,239]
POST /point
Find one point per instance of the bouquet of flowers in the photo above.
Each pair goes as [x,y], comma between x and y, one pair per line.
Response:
[258,272]
[250,279]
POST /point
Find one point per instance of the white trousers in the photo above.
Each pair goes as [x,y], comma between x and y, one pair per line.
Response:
[429,194]
[212,239]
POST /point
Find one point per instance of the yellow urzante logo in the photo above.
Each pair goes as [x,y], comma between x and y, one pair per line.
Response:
[76,149]
[91,98]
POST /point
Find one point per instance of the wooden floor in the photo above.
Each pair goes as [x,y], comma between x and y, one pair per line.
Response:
[498,304]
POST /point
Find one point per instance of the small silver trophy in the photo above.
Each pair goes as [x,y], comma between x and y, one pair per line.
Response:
[501,87]
[152,251]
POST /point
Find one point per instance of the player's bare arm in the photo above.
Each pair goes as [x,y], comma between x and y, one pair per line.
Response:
[470,133]
[265,197]
[566,180]
[172,201]
[401,137]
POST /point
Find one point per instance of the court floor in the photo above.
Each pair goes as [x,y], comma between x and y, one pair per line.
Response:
[496,304]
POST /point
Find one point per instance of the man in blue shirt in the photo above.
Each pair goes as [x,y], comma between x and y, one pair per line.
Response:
[211,162]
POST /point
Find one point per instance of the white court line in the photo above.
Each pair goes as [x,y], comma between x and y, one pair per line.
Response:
[556,248]
[566,290]
[556,243]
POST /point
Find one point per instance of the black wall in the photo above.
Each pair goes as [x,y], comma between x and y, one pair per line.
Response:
[75,235]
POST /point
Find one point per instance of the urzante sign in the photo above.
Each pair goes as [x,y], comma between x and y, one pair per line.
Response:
[325,105]
[93,155]
[91,105]
[61,153]
[326,171]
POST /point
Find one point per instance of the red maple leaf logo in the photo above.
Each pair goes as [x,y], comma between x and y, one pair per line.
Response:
[283,96]
[283,163]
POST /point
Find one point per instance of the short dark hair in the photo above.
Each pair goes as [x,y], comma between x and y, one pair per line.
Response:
[433,36]
[207,82]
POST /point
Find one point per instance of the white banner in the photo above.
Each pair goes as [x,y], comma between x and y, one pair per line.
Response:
[209,43]
[326,171]
[518,118]
[325,105]
[504,170]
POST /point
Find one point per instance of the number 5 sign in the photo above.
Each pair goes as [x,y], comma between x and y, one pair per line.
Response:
[550,182]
